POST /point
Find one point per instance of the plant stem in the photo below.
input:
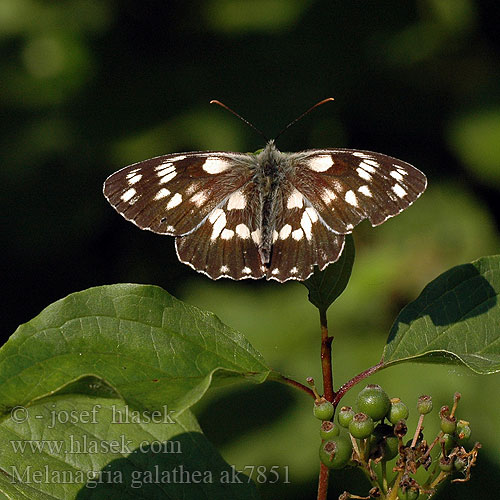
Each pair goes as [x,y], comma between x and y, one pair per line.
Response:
[358,378]
[323,482]
[277,377]
[326,358]
[384,476]
[328,392]
[417,430]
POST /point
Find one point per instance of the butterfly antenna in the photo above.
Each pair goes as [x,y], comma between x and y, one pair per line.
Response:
[293,122]
[251,125]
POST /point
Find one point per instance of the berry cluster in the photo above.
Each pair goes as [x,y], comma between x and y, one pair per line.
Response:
[375,436]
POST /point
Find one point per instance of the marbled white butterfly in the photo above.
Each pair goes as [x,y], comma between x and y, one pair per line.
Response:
[269,214]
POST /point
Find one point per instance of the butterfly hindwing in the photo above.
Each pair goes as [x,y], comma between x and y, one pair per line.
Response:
[301,241]
[225,245]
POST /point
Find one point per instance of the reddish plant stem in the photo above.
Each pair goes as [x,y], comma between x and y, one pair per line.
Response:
[326,358]
[298,385]
[323,482]
[328,392]
[358,378]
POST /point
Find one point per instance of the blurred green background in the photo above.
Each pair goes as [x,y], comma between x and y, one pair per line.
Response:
[89,86]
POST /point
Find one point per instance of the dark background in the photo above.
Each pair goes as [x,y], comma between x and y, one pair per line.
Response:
[89,86]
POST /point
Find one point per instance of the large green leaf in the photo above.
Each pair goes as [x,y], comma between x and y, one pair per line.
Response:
[455,319]
[325,286]
[149,347]
[108,451]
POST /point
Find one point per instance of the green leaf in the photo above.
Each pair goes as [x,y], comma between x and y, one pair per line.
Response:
[325,286]
[455,319]
[108,451]
[148,347]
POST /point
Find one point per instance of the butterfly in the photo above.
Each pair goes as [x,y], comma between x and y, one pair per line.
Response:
[268,214]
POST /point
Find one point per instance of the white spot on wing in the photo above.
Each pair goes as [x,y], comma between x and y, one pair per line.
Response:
[256,236]
[327,195]
[192,188]
[136,178]
[242,231]
[227,234]
[162,193]
[224,269]
[294,270]
[219,223]
[167,178]
[396,175]
[275,271]
[366,166]
[177,158]
[214,165]
[359,154]
[285,232]
[364,174]
[320,163]
[246,270]
[174,201]
[365,190]
[399,191]
[350,198]
[127,195]
[275,236]
[313,215]
[199,198]
[165,169]
[161,167]
[306,225]
[295,200]
[298,234]
[215,215]
[237,201]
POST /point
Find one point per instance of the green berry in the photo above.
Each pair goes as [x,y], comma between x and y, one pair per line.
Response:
[345,416]
[329,430]
[323,409]
[398,411]
[446,464]
[336,452]
[373,401]
[449,441]
[448,424]
[391,448]
[463,431]
[424,405]
[361,426]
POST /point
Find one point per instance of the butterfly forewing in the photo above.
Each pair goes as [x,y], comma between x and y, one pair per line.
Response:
[347,186]
[174,194]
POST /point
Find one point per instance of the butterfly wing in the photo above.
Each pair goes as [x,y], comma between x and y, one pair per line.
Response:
[225,245]
[174,194]
[346,186]
[301,240]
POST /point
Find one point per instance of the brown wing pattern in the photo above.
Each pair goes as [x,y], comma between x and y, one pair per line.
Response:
[173,194]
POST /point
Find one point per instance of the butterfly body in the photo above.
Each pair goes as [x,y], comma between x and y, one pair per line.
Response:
[269,214]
